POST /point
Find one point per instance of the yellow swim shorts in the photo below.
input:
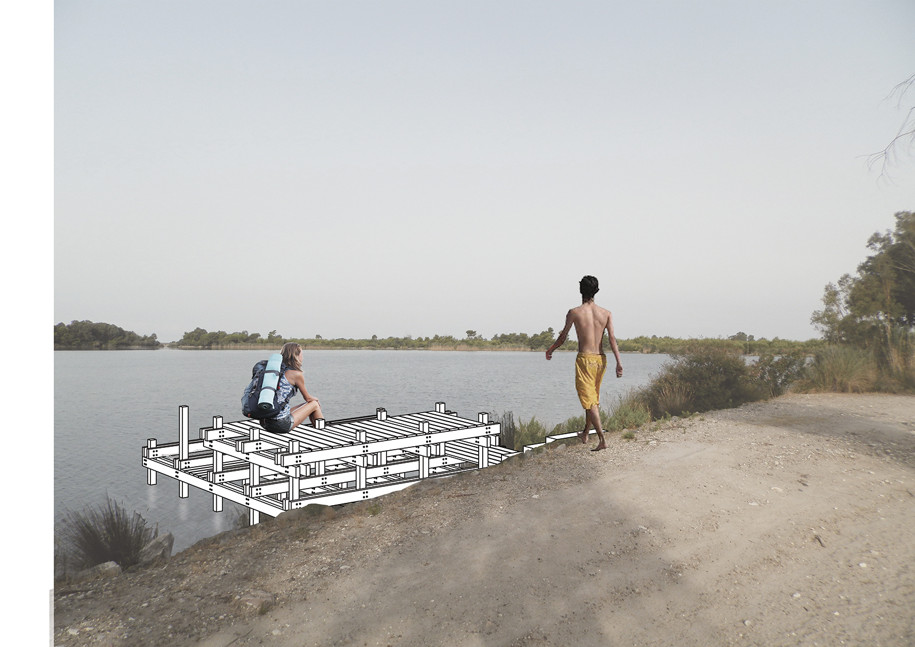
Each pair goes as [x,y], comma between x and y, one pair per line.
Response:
[589,371]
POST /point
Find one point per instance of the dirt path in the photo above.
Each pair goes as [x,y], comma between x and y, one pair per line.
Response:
[790,522]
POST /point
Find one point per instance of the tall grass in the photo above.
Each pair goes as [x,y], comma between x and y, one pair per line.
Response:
[842,369]
[107,533]
[895,359]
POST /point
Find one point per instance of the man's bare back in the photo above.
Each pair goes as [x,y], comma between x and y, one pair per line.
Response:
[590,321]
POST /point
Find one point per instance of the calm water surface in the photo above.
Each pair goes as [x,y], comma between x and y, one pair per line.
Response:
[106,404]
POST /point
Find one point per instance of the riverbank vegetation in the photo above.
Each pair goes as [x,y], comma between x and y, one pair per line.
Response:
[868,319]
[87,335]
[702,378]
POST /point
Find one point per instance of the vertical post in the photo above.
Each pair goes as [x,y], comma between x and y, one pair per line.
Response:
[183,440]
[319,468]
[360,472]
[424,426]
[293,494]
[254,478]
[150,474]
[423,451]
[381,414]
[217,465]
[440,407]
[483,454]
[319,423]
[483,418]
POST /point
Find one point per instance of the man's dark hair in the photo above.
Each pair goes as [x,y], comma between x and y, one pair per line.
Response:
[588,287]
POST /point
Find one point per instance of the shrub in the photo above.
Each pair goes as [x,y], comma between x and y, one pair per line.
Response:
[776,374]
[529,433]
[702,379]
[105,534]
[629,413]
[575,424]
[844,369]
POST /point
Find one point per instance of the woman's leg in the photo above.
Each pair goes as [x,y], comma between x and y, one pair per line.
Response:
[306,410]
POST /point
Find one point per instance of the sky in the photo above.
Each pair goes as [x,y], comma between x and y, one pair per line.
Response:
[394,168]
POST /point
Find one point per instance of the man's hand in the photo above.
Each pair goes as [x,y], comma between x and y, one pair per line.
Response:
[619,370]
[549,354]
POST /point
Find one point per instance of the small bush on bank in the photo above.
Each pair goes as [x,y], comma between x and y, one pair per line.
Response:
[573,425]
[775,374]
[702,379]
[629,413]
[529,433]
[104,534]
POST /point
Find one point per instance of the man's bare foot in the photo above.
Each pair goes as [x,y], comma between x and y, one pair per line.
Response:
[583,437]
[599,447]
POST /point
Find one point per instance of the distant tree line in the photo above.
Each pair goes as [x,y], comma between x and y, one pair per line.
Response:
[200,338]
[740,342]
[87,335]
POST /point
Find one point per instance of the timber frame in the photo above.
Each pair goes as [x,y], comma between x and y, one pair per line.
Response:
[327,463]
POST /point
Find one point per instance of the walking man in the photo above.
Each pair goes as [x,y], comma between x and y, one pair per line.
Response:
[590,321]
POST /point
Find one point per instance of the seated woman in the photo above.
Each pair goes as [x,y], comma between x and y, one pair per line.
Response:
[292,379]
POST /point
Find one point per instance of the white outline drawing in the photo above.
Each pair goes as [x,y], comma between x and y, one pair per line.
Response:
[330,463]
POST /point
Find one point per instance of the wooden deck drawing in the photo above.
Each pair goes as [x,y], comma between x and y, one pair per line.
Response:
[329,463]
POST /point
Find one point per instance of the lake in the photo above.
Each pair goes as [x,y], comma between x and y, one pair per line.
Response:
[108,403]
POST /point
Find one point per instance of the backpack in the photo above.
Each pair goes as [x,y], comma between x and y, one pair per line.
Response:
[261,398]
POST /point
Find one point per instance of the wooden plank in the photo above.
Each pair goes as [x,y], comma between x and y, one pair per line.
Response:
[172,449]
[266,461]
[272,508]
[387,445]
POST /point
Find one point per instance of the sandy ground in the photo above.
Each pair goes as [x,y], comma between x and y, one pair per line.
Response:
[789,522]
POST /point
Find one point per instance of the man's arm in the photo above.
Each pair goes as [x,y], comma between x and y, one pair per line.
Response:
[562,336]
[613,346]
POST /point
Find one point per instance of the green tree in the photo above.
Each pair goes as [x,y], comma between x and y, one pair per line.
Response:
[542,340]
[864,309]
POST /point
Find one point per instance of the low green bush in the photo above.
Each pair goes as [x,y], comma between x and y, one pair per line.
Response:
[702,379]
[529,433]
[776,373]
[629,413]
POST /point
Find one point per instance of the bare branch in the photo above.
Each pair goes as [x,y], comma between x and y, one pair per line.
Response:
[889,154]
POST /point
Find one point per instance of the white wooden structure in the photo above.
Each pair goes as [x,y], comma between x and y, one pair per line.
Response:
[328,463]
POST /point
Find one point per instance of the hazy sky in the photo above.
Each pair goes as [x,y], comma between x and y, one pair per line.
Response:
[418,168]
